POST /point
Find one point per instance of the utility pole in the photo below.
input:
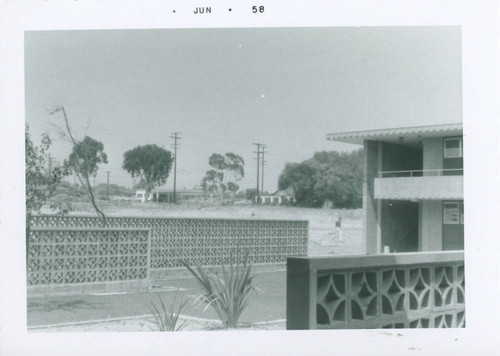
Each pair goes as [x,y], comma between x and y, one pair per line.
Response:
[258,167]
[263,162]
[107,186]
[175,136]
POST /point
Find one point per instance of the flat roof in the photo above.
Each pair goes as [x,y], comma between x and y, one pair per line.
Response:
[400,134]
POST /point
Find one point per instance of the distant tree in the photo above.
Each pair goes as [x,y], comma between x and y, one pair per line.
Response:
[41,182]
[302,178]
[84,162]
[212,181]
[251,193]
[233,167]
[339,178]
[226,171]
[339,186]
[232,188]
[139,185]
[85,157]
[327,176]
[240,194]
[151,163]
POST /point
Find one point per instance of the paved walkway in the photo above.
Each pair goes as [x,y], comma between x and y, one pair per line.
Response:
[269,304]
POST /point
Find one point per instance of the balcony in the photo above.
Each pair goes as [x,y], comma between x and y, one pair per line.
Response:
[437,184]
[404,290]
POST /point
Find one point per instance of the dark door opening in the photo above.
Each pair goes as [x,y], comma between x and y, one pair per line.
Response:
[400,225]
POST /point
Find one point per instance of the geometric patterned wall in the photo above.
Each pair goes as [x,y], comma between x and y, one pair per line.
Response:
[425,296]
[197,241]
[68,255]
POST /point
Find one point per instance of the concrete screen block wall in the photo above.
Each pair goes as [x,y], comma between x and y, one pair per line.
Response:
[196,240]
[81,250]
[404,290]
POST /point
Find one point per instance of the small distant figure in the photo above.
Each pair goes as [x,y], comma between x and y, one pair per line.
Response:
[338,229]
[253,213]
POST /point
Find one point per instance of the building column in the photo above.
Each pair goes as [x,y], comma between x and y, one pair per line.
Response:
[371,208]
[379,201]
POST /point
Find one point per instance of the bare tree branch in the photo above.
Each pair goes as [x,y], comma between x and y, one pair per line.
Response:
[82,176]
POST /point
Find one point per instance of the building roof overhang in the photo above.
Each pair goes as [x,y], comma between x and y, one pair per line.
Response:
[398,135]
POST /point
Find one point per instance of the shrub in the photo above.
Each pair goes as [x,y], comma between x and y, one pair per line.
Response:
[230,293]
[167,319]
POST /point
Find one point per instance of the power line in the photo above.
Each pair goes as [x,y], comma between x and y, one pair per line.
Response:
[134,132]
[258,165]
[263,163]
[175,136]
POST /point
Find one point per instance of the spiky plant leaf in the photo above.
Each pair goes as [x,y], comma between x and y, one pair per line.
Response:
[167,319]
[230,293]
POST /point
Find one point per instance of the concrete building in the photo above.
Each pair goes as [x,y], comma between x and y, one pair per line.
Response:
[412,187]
[280,197]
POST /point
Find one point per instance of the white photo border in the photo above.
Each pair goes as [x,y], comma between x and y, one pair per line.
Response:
[481,157]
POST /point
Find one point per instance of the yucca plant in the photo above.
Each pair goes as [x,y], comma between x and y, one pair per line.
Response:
[230,293]
[168,319]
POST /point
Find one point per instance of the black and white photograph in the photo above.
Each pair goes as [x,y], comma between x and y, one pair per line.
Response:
[251,181]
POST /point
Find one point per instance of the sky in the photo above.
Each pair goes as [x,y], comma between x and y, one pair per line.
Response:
[225,89]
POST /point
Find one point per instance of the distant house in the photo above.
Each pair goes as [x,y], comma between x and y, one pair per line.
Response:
[327,204]
[280,197]
[167,195]
[140,195]
[413,197]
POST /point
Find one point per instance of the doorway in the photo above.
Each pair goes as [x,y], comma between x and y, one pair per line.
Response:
[400,223]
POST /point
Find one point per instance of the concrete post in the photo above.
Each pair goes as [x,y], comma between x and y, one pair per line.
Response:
[370,215]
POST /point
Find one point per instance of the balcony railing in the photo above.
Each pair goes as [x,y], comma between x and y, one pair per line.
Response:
[421,173]
[405,290]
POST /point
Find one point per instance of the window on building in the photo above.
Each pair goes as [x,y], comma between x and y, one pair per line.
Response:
[462,213]
[451,213]
[453,148]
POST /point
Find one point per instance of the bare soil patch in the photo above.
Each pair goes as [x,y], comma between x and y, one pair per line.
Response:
[322,238]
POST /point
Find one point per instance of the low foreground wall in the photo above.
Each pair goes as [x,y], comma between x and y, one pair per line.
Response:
[122,251]
[406,290]
[67,255]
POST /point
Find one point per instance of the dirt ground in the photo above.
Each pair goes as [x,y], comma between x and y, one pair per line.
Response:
[322,238]
[132,311]
[266,312]
[145,324]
